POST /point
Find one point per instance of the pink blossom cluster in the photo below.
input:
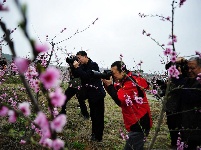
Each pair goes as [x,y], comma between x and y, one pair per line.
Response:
[171,53]
[13,67]
[43,59]
[124,137]
[154,92]
[181,145]
[47,127]
[32,76]
[173,72]
[23,107]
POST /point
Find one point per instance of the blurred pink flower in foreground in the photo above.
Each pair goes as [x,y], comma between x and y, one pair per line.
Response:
[22,142]
[57,97]
[50,77]
[57,144]
[22,64]
[3,111]
[41,120]
[41,48]
[12,116]
[58,123]
[24,107]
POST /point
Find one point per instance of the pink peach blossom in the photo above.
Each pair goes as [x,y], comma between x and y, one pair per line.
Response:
[22,64]
[58,123]
[50,77]
[58,144]
[3,111]
[57,97]
[24,107]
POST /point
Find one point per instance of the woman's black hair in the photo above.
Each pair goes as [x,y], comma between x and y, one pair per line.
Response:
[120,66]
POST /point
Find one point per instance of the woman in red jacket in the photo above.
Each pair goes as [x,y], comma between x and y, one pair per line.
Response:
[128,92]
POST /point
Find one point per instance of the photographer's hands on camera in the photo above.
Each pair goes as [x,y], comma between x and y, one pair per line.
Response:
[76,64]
[108,82]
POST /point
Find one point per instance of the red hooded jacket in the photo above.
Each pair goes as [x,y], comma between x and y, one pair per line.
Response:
[134,106]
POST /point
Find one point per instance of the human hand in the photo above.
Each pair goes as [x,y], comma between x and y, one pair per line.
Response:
[76,64]
[107,82]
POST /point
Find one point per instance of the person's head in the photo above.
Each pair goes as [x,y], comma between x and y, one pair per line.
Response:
[82,57]
[118,69]
[194,66]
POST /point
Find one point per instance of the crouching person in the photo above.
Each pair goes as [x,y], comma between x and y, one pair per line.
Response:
[127,91]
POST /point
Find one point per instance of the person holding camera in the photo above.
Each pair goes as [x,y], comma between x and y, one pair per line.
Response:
[183,98]
[91,89]
[128,92]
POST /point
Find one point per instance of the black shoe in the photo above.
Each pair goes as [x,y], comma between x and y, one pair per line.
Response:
[94,139]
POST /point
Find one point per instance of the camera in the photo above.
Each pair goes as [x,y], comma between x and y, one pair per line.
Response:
[183,66]
[71,59]
[106,74]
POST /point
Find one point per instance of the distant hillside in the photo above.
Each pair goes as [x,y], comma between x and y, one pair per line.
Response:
[7,56]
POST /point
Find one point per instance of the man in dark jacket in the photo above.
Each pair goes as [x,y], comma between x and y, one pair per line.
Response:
[91,89]
[183,105]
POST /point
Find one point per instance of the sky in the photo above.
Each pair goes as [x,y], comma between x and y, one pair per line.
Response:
[118,29]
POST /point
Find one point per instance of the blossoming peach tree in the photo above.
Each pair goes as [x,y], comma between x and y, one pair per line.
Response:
[36,75]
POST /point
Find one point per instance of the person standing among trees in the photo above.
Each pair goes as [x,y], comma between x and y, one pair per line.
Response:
[73,89]
[181,103]
[127,91]
[92,89]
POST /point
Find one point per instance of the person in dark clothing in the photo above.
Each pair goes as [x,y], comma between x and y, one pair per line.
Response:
[128,93]
[91,89]
[72,90]
[183,99]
